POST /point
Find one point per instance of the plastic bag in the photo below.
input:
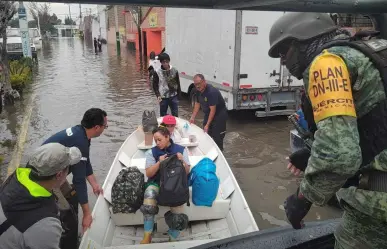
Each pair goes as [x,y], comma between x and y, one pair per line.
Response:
[204,182]
[149,121]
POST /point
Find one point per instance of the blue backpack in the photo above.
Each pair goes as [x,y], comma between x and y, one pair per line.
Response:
[204,182]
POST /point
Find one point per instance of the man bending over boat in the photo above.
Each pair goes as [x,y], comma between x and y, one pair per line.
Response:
[213,105]
[93,124]
[164,148]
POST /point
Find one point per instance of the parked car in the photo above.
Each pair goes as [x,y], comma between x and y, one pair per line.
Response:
[36,38]
[14,45]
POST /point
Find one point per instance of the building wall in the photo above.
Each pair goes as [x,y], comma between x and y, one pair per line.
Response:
[95,28]
[111,24]
[102,21]
[154,27]
[87,22]
[163,39]
[155,19]
[131,27]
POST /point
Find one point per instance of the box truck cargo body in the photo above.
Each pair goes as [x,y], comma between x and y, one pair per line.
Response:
[230,48]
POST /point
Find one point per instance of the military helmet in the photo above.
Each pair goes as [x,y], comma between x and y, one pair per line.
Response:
[298,26]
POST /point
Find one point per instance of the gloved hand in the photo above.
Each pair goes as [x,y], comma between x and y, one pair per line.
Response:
[296,208]
[299,159]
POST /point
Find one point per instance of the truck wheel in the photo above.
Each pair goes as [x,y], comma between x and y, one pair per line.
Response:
[192,98]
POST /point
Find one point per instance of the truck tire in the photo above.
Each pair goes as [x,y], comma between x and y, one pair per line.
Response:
[192,97]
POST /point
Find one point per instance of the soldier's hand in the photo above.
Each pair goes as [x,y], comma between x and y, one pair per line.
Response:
[298,161]
[296,208]
[293,169]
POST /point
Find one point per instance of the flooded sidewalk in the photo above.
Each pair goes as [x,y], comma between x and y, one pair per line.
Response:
[72,78]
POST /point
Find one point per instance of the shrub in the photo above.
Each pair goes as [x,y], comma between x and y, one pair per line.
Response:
[20,73]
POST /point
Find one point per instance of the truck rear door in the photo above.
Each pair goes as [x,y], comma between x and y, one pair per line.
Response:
[257,69]
[263,82]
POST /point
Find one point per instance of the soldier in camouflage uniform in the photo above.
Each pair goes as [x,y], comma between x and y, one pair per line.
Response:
[346,99]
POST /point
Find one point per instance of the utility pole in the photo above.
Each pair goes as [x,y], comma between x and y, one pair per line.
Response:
[139,18]
[71,22]
[40,31]
[23,24]
[117,32]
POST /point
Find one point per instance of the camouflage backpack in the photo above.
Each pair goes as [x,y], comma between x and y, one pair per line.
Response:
[128,191]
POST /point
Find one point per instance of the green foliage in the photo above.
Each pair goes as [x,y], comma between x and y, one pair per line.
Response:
[47,21]
[14,23]
[69,21]
[20,72]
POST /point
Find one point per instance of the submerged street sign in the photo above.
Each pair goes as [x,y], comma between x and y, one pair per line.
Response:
[24,32]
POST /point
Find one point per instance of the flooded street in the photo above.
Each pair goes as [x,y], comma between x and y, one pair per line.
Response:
[72,78]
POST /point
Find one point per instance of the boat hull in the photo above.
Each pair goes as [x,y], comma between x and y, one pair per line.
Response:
[230,214]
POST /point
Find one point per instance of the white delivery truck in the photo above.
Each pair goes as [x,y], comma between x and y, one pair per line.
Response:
[230,48]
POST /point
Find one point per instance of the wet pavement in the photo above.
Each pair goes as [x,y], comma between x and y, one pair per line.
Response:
[71,78]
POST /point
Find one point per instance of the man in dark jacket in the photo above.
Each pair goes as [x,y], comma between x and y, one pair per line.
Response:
[93,124]
[166,85]
[28,212]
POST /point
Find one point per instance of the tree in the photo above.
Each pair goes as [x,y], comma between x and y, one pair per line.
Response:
[7,11]
[47,21]
[14,23]
[136,12]
[69,21]
[32,24]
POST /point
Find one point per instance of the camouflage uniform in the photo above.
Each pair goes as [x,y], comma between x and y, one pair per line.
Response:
[345,92]
[336,156]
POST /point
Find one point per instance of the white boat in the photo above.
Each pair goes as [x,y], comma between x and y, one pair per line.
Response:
[229,215]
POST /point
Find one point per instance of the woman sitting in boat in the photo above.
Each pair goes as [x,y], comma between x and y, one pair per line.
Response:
[164,147]
[169,121]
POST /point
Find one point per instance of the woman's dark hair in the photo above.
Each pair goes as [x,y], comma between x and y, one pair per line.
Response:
[152,55]
[162,129]
[93,117]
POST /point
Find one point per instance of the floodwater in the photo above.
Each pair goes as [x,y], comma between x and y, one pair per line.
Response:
[71,78]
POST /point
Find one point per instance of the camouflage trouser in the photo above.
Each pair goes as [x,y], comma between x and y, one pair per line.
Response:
[358,230]
[150,209]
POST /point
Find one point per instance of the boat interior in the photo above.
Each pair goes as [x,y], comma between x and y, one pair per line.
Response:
[229,215]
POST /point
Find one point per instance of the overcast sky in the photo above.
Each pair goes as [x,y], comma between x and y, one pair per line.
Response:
[62,10]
